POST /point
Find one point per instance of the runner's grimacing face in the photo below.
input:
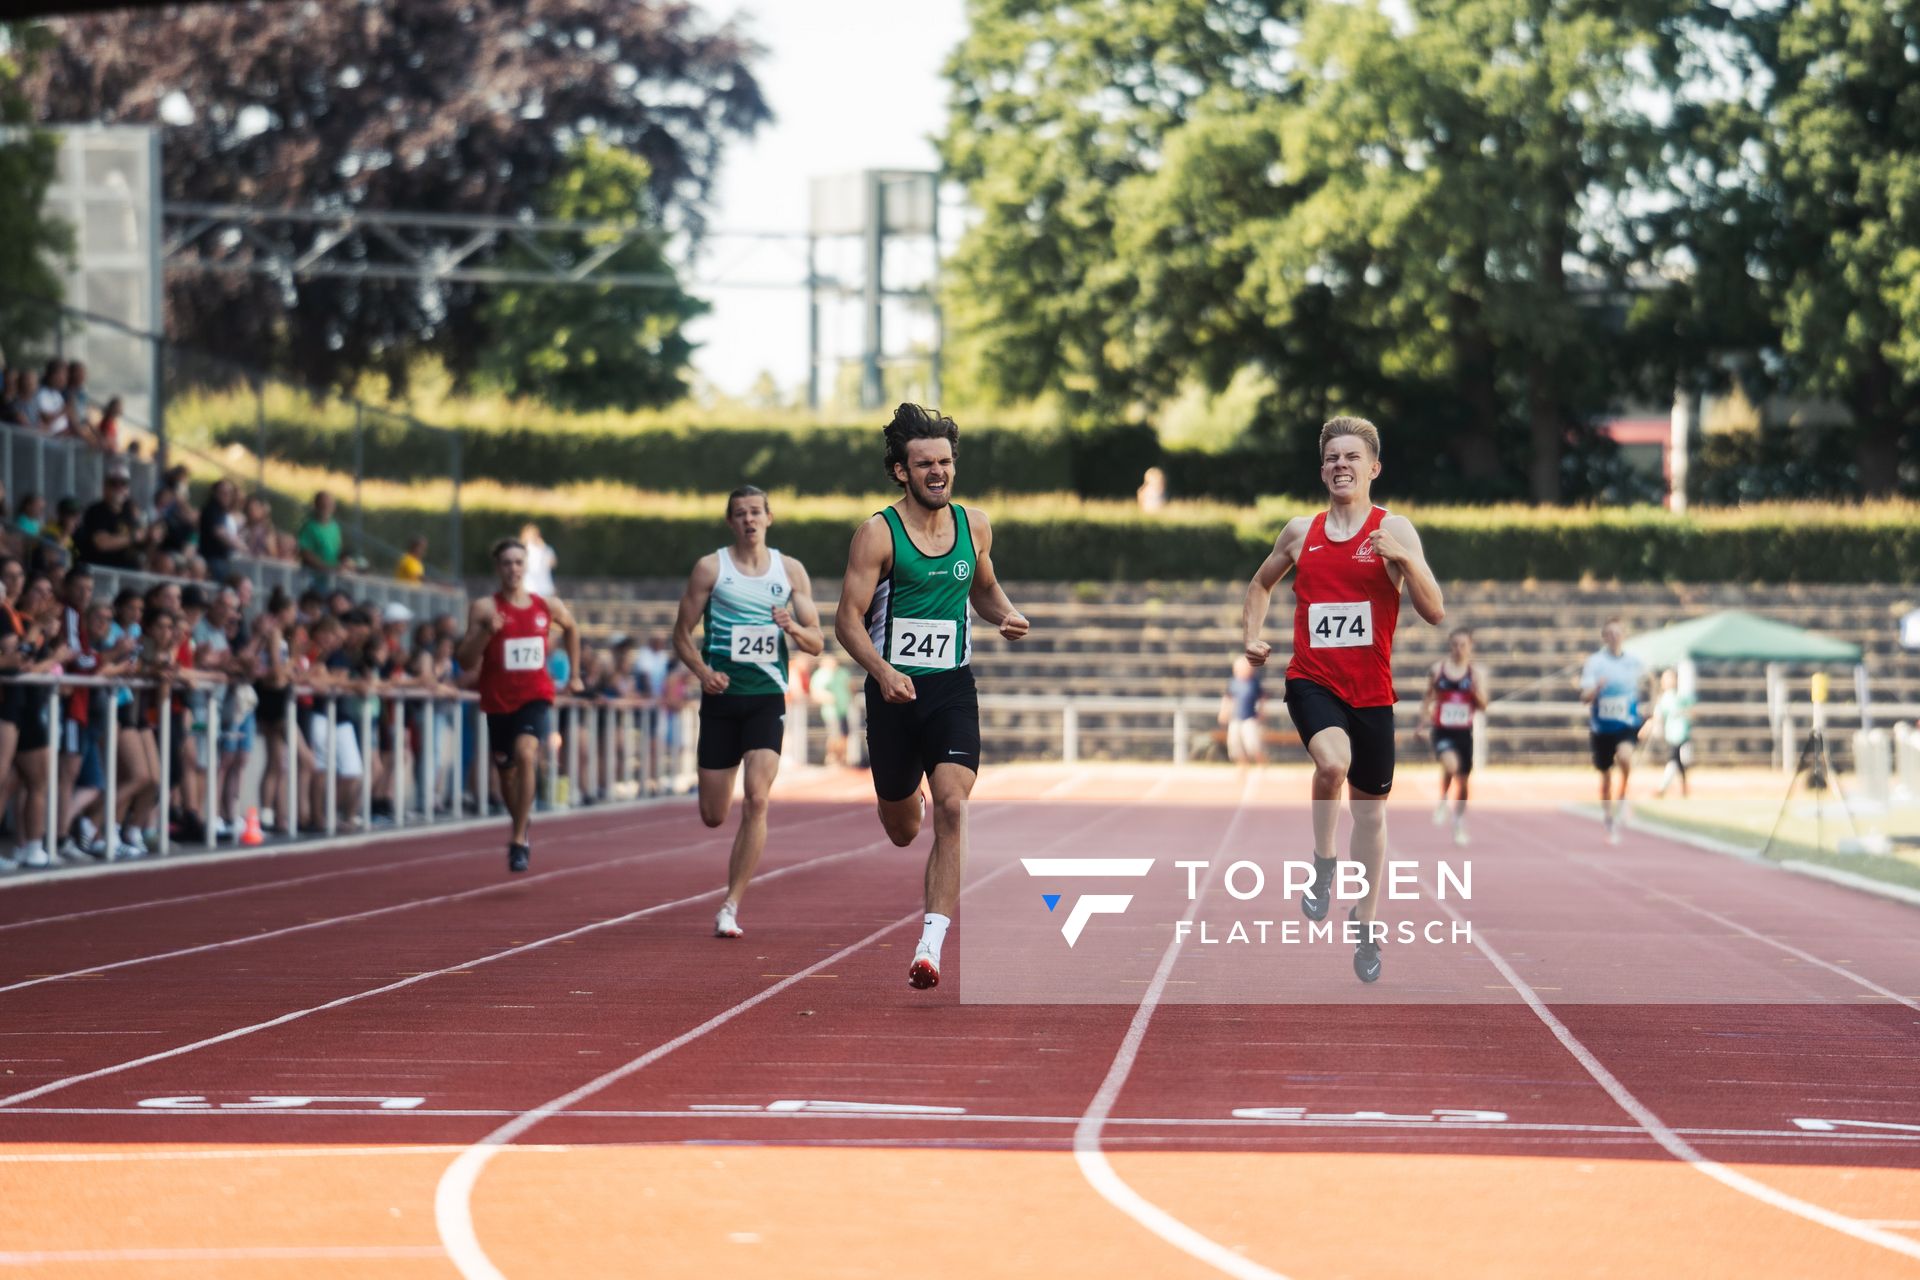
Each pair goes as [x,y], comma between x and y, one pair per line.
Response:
[512,567]
[749,518]
[930,472]
[1347,466]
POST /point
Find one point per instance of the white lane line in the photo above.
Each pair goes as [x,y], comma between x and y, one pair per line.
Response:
[1675,1145]
[263,885]
[42,1090]
[1095,1167]
[499,886]
[1796,1137]
[453,1197]
[228,1153]
[1742,929]
[316,1252]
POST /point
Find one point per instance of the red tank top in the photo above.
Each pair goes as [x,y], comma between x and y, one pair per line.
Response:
[1344,612]
[1453,703]
[514,670]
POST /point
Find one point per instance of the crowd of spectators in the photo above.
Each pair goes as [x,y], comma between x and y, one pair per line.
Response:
[58,401]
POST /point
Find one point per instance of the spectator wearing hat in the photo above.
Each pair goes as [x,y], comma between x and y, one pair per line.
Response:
[110,532]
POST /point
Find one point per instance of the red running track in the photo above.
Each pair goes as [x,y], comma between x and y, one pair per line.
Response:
[196,1058]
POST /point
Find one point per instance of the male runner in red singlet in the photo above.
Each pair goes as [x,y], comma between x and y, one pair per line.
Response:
[508,638]
[1353,559]
[1456,688]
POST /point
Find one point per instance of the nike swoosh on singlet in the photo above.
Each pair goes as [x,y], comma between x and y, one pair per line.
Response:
[1316,546]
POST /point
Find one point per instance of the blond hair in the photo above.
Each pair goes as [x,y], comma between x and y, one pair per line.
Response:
[1348,426]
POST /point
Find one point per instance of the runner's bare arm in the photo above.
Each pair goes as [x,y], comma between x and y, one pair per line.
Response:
[1431,696]
[802,621]
[866,561]
[482,621]
[1481,696]
[1286,551]
[693,603]
[986,595]
[1399,546]
[563,616]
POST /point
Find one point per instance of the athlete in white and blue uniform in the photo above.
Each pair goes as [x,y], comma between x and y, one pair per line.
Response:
[753,606]
[1612,685]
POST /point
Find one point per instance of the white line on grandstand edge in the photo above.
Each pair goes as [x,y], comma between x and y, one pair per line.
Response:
[1678,1147]
[599,833]
[1095,1167]
[52,1085]
[370,913]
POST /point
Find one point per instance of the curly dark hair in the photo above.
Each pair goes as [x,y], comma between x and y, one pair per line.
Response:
[913,422]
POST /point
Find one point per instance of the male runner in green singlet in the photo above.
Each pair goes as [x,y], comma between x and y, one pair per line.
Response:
[912,571]
[754,604]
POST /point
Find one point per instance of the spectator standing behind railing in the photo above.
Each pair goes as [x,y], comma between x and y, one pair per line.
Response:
[80,774]
[257,533]
[13,659]
[107,432]
[79,398]
[25,404]
[319,542]
[220,539]
[412,565]
[36,622]
[173,514]
[110,532]
[50,402]
[139,778]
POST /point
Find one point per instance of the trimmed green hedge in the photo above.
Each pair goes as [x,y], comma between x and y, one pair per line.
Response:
[1107,462]
[1093,542]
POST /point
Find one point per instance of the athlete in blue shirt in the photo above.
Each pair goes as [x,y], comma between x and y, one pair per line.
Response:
[1612,685]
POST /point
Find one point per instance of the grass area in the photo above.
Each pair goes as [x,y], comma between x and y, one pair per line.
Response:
[1743,817]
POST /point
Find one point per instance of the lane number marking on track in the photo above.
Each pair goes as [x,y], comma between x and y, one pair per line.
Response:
[789,1105]
[1828,1126]
[1443,1115]
[272,1102]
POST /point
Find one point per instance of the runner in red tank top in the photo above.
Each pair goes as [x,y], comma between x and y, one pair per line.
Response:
[509,638]
[1352,561]
[1456,689]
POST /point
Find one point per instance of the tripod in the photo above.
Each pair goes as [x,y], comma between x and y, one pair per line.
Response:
[1817,765]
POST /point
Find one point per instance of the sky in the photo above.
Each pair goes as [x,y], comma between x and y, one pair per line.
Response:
[853,84]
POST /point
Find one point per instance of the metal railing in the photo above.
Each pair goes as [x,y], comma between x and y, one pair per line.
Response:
[430,744]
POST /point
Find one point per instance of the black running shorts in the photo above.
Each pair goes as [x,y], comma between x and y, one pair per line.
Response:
[1369,729]
[504,728]
[732,724]
[908,740]
[1458,741]
[1605,742]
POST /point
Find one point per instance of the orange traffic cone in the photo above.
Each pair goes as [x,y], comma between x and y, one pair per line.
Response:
[251,834]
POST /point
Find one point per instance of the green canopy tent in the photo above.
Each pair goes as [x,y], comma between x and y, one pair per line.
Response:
[1733,636]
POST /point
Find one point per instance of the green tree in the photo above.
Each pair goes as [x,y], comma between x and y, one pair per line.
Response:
[1053,107]
[1843,143]
[1468,168]
[606,346]
[32,243]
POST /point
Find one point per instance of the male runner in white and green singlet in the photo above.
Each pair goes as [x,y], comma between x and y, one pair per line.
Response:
[912,572]
[753,603]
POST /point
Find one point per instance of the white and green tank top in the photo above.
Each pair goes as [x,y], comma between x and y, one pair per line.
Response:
[742,640]
[919,618]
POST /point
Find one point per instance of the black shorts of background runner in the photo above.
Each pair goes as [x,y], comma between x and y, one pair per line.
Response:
[1458,741]
[907,740]
[504,728]
[1369,729]
[1604,742]
[732,724]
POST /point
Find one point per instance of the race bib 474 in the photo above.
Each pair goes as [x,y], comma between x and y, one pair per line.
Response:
[1343,625]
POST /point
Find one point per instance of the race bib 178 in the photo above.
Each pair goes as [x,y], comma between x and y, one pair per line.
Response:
[926,642]
[1456,715]
[1346,625]
[528,653]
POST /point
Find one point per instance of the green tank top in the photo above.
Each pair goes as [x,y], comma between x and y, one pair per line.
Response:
[919,620]
[741,639]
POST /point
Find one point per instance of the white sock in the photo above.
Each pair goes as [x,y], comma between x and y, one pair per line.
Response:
[934,932]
